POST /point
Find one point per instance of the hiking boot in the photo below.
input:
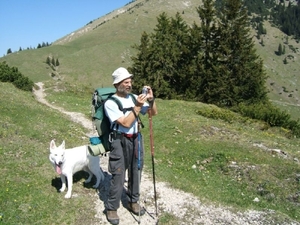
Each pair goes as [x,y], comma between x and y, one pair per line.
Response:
[135,208]
[112,217]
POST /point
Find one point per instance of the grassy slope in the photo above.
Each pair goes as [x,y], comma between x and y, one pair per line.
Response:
[283,81]
[29,183]
[98,50]
[89,55]
[229,169]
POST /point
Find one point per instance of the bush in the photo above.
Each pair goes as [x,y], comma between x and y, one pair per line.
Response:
[266,112]
[23,83]
[12,75]
[294,126]
[215,112]
[271,115]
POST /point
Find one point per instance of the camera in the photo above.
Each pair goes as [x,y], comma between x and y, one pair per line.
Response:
[145,91]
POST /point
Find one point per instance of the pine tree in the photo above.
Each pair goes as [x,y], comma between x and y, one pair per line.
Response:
[179,37]
[161,57]
[53,61]
[260,29]
[210,84]
[48,60]
[242,67]
[141,65]
[161,61]
[279,52]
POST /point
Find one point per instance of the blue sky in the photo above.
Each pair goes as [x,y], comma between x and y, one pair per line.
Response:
[27,23]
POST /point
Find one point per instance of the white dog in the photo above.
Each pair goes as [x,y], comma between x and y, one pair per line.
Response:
[66,162]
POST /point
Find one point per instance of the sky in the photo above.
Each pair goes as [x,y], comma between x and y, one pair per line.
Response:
[27,23]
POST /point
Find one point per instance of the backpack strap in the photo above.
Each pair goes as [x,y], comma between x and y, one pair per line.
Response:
[118,102]
[124,110]
[134,101]
[132,98]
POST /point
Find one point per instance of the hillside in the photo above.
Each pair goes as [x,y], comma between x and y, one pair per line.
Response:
[209,171]
[89,54]
[170,199]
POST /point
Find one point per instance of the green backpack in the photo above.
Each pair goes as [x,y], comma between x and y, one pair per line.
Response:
[101,145]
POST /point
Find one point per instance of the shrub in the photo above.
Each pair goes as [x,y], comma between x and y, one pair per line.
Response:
[24,83]
[272,115]
[266,112]
[12,75]
[215,112]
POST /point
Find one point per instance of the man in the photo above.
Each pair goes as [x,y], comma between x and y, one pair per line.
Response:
[125,147]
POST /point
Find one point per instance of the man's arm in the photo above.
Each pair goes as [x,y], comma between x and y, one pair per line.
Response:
[128,120]
[153,107]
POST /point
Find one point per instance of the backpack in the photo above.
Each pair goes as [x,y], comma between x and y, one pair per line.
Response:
[101,145]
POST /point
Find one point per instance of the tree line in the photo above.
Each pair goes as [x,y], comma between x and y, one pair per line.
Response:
[214,62]
[9,51]
[286,16]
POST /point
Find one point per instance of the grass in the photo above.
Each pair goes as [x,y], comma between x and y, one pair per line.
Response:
[29,184]
[217,161]
[228,168]
[213,159]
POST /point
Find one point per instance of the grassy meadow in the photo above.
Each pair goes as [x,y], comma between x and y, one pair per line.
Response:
[219,162]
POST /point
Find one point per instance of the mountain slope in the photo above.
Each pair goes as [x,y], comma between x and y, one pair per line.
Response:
[89,55]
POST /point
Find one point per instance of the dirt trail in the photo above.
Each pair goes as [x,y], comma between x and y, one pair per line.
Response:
[186,207]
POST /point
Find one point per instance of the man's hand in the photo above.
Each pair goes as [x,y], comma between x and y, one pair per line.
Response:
[149,96]
[141,99]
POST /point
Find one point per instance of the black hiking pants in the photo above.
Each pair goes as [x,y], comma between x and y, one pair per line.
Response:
[124,156]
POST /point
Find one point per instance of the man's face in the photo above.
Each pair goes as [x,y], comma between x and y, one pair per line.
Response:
[125,86]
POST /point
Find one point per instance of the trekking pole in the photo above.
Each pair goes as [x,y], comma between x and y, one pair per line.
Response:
[152,154]
[139,167]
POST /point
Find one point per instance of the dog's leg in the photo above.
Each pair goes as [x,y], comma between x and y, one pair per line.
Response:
[63,181]
[70,184]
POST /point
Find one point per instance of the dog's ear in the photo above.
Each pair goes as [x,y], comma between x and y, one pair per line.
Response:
[52,145]
[63,144]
